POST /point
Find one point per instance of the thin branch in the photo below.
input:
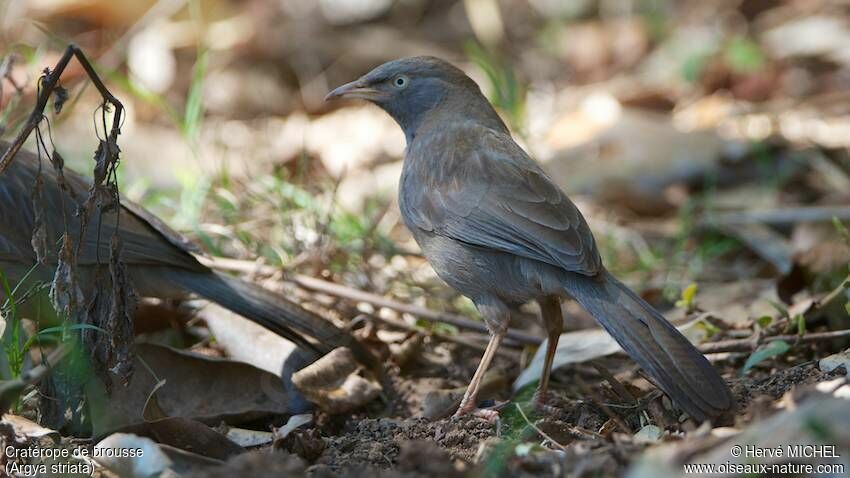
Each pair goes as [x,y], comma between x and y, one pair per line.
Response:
[49,82]
[748,345]
[538,430]
[780,216]
[618,387]
[399,324]
[751,343]
[351,293]
[829,299]
[10,390]
[597,400]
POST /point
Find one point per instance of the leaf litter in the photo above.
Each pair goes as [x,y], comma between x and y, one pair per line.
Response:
[607,418]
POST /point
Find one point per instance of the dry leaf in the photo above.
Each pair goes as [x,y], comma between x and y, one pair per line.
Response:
[26,428]
[151,462]
[841,359]
[333,385]
[249,438]
[205,389]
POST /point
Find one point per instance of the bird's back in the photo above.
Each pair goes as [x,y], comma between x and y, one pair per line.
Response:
[474,184]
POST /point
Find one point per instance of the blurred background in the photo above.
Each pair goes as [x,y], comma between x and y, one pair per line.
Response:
[706,143]
[682,129]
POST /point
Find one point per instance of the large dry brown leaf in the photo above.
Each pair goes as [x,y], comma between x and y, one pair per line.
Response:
[187,435]
[182,433]
[197,387]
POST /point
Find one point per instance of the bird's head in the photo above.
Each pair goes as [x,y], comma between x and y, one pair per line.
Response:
[410,89]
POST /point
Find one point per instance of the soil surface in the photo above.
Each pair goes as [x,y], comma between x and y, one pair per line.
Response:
[592,424]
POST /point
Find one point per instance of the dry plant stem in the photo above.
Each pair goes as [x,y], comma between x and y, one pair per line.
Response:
[747,345]
[777,217]
[597,400]
[812,313]
[11,389]
[618,387]
[830,298]
[307,282]
[351,293]
[750,343]
[48,84]
[37,373]
[442,337]
[575,431]
[538,430]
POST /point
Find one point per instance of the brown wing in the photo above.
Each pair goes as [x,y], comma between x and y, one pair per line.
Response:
[146,240]
[483,189]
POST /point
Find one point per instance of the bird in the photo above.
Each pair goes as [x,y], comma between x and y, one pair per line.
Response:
[496,228]
[161,263]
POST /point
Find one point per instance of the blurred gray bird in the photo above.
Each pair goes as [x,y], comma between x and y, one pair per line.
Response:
[495,227]
[159,260]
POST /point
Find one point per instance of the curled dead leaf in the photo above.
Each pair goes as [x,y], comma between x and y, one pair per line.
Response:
[406,350]
[248,438]
[111,310]
[25,428]
[293,423]
[64,292]
[333,385]
[39,230]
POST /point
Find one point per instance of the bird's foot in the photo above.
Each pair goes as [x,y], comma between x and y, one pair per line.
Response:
[489,414]
[540,398]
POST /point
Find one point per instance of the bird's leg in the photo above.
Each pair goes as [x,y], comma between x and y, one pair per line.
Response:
[553,319]
[467,404]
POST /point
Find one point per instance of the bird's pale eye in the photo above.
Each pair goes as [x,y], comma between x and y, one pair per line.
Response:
[401,81]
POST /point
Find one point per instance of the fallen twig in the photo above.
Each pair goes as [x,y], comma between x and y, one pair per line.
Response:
[538,430]
[748,345]
[812,310]
[351,293]
[618,387]
[442,337]
[312,283]
[779,216]
[10,390]
[827,300]
[597,400]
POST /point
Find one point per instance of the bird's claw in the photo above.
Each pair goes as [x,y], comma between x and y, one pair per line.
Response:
[540,399]
[492,416]
[488,414]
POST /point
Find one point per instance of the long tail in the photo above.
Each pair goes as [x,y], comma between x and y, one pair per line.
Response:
[663,352]
[272,311]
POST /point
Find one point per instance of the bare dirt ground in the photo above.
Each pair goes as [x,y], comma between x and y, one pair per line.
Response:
[587,429]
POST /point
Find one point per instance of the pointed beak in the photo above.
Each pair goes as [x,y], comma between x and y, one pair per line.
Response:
[355,89]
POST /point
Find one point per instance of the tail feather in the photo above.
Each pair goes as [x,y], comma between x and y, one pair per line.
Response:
[272,311]
[668,357]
